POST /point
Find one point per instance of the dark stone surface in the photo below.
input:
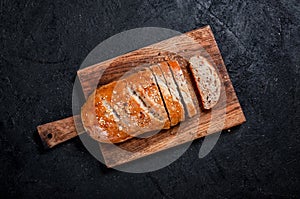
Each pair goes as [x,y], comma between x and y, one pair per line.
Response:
[44,42]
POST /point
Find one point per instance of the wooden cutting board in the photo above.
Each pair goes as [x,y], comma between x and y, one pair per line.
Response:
[226,114]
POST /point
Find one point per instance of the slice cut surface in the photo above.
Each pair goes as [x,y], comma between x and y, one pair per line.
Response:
[207,81]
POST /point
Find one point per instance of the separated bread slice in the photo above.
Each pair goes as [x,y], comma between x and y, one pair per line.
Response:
[165,93]
[207,81]
[183,88]
[177,107]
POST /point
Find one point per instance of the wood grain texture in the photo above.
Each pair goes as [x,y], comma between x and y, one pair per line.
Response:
[205,123]
[56,132]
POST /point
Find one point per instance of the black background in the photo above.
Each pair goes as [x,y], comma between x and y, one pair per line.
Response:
[43,44]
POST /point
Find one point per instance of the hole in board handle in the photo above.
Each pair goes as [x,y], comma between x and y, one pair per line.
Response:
[49,136]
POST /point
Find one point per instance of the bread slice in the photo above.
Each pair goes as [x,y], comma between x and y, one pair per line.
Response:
[126,108]
[177,107]
[207,81]
[183,88]
[165,93]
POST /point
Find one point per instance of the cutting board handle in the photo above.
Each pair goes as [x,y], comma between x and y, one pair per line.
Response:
[56,132]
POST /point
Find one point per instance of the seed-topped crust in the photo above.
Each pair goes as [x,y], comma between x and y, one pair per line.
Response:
[98,117]
[144,87]
[126,108]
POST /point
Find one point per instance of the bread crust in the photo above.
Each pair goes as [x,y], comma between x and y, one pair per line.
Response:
[144,86]
[98,120]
